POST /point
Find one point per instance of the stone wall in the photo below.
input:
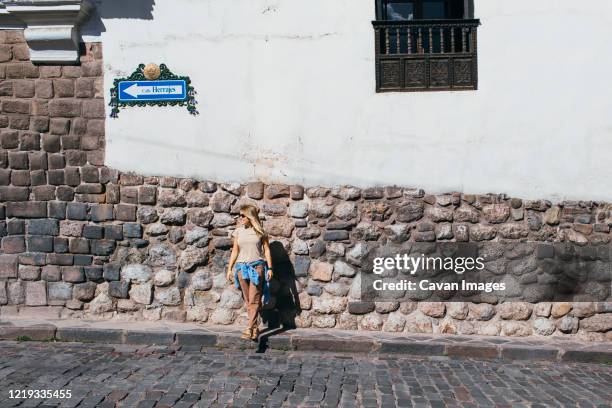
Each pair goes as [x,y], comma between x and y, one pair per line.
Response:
[81,240]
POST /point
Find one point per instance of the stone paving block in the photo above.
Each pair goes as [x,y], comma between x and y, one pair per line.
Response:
[235,342]
[280,343]
[512,352]
[587,356]
[340,345]
[90,335]
[37,332]
[195,339]
[408,347]
[148,337]
[471,351]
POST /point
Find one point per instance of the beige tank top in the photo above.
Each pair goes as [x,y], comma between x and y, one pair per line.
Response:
[249,244]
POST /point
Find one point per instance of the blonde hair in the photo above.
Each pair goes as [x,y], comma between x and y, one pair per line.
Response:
[252,213]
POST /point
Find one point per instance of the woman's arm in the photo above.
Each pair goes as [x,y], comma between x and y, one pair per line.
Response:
[232,261]
[268,255]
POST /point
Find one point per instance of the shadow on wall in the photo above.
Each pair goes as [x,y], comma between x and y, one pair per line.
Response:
[287,305]
[116,9]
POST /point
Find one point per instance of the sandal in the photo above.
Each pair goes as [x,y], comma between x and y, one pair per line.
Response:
[247,334]
[254,334]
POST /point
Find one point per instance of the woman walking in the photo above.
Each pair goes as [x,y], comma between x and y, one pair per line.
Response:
[250,266]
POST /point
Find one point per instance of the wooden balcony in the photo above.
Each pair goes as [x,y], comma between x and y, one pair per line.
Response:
[426,55]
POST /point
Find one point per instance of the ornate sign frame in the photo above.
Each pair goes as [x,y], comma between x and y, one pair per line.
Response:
[161,73]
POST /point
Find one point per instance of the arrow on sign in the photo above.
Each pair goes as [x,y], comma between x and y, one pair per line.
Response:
[136,91]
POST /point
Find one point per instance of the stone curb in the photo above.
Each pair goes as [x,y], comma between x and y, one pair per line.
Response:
[195,340]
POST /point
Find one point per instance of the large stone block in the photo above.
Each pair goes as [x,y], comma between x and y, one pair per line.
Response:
[321,271]
[142,293]
[361,308]
[371,322]
[51,273]
[136,273]
[411,210]
[40,243]
[255,190]
[280,227]
[43,227]
[59,291]
[3,293]
[16,292]
[320,209]
[16,106]
[73,274]
[66,108]
[324,321]
[101,212]
[329,305]
[101,304]
[190,258]
[168,296]
[163,277]
[231,299]
[598,323]
[277,191]
[36,293]
[111,271]
[482,311]
[125,212]
[543,327]
[514,311]
[84,291]
[29,272]
[343,269]
[13,244]
[12,193]
[29,209]
[76,211]
[102,247]
[119,289]
[175,216]
[433,309]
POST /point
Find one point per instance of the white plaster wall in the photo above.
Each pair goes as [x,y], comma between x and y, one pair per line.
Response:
[286,93]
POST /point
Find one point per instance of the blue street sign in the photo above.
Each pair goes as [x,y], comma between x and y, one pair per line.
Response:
[134,91]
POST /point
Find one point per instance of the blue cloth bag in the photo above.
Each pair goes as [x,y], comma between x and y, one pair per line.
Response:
[248,272]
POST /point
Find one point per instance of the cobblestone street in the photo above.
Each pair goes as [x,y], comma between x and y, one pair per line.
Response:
[163,376]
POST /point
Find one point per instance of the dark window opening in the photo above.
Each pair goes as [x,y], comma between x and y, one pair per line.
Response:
[425,45]
[401,10]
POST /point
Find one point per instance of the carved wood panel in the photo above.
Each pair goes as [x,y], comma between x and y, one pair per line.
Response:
[439,73]
[390,74]
[415,73]
[463,72]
